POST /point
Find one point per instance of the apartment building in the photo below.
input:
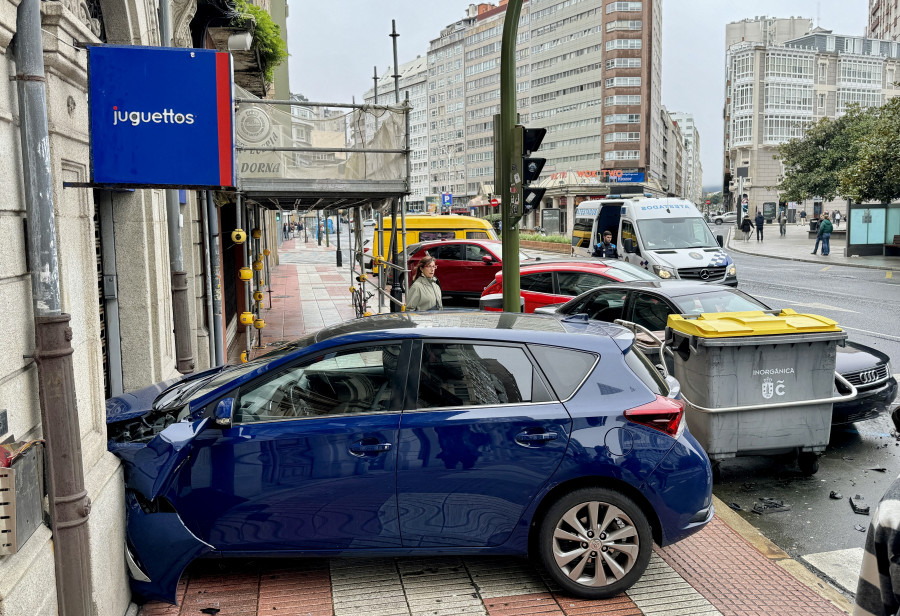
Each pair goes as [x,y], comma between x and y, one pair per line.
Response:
[692,169]
[883,15]
[774,90]
[414,85]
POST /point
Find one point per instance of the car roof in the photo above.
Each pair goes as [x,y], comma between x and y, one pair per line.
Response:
[491,243]
[569,264]
[670,288]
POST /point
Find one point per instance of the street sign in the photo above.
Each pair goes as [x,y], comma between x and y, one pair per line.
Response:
[495,202]
[446,198]
[708,202]
[745,202]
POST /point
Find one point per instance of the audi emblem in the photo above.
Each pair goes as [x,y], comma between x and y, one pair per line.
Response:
[704,274]
[869,376]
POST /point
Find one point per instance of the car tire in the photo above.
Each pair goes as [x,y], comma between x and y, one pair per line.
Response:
[718,221]
[623,559]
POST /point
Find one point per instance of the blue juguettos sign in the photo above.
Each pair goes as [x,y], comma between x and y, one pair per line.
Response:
[161,116]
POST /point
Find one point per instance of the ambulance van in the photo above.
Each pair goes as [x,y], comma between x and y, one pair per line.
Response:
[666,236]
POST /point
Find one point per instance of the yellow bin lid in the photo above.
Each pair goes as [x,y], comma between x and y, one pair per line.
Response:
[751,323]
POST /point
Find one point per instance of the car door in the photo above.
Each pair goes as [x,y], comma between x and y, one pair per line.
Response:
[479,439]
[537,289]
[478,273]
[450,260]
[629,232]
[309,462]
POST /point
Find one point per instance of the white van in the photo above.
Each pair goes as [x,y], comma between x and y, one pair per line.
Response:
[668,237]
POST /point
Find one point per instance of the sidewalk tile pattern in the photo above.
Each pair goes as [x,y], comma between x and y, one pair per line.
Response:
[744,585]
[711,573]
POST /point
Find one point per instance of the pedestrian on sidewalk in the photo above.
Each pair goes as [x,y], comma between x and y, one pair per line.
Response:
[760,221]
[284,231]
[782,223]
[823,235]
[425,290]
[837,219]
[878,589]
[606,249]
[746,225]
[802,217]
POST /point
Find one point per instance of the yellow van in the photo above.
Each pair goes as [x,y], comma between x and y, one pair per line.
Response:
[427,227]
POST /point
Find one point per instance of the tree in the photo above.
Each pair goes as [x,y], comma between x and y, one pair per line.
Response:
[875,176]
[715,198]
[815,163]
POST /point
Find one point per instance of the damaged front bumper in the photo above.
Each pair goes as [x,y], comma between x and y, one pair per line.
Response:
[159,548]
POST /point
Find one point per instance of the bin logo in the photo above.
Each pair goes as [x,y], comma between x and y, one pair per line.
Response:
[772,388]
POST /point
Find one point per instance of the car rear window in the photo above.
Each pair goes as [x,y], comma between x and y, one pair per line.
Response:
[565,368]
[646,371]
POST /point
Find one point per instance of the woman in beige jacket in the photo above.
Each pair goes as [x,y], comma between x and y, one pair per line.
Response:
[425,290]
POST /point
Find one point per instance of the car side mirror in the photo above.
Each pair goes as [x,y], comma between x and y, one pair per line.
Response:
[487,259]
[721,241]
[628,244]
[224,412]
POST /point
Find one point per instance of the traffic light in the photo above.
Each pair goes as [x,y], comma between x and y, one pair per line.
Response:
[526,141]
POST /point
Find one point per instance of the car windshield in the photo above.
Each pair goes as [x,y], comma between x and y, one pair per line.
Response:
[669,233]
[188,391]
[625,271]
[726,300]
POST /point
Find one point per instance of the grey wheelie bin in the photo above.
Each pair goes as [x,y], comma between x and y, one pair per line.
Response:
[759,382]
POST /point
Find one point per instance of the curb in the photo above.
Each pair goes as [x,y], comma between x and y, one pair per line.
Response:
[730,246]
[771,551]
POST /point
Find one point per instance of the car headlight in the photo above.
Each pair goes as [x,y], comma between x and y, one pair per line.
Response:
[663,272]
[732,271]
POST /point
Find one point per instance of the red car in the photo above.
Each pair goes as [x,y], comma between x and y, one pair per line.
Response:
[555,282]
[465,267]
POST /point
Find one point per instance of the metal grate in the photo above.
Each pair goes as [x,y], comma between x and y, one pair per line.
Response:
[867,378]
[697,273]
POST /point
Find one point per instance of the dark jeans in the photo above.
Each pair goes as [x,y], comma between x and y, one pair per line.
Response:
[826,243]
[759,232]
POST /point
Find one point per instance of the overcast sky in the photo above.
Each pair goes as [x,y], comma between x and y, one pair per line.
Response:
[334,46]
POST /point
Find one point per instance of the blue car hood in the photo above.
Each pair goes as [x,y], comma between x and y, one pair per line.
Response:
[136,403]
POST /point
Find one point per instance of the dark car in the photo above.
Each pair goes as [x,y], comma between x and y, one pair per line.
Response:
[416,434]
[554,282]
[650,304]
[464,267]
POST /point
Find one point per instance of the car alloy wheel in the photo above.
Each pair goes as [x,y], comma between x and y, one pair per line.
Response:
[595,543]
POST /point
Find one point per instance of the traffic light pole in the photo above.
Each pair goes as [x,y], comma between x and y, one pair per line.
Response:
[503,172]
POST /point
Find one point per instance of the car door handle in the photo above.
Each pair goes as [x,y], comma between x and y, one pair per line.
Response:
[360,449]
[540,437]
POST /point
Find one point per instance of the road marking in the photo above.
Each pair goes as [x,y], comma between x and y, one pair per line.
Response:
[889,274]
[876,334]
[809,304]
[826,268]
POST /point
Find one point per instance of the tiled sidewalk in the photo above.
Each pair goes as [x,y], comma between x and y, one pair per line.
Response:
[714,572]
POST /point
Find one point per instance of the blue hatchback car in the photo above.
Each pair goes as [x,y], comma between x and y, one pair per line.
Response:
[416,434]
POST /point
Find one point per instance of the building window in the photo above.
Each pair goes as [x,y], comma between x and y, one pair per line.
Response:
[622,99]
[821,103]
[864,98]
[859,71]
[622,118]
[823,72]
[779,129]
[621,155]
[788,97]
[613,7]
[623,63]
[619,137]
[623,24]
[743,66]
[742,98]
[789,65]
[741,130]
[623,82]
[616,44]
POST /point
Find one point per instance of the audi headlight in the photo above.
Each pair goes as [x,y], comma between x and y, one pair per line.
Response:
[663,272]
[732,271]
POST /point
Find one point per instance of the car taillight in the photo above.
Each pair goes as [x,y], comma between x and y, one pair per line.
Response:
[663,414]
